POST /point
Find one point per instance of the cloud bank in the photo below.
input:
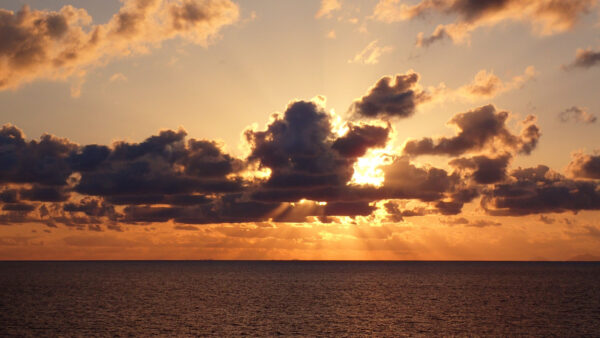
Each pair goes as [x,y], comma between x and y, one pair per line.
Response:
[301,167]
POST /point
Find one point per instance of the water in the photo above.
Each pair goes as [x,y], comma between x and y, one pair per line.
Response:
[299,298]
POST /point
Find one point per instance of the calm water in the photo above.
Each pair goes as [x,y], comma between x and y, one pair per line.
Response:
[299,298]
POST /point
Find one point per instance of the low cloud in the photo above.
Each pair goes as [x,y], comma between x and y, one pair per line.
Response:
[300,167]
[584,166]
[531,194]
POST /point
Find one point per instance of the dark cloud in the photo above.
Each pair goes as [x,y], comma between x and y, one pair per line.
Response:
[483,223]
[484,170]
[309,167]
[9,196]
[524,196]
[547,220]
[22,207]
[480,128]
[449,207]
[395,214]
[585,166]
[91,207]
[576,114]
[470,223]
[348,209]
[360,138]
[44,194]
[306,158]
[455,221]
[43,162]
[541,173]
[186,227]
[406,181]
[391,97]
[584,58]
[160,166]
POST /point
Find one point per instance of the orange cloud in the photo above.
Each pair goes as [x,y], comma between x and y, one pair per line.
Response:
[327,7]
[547,17]
[63,45]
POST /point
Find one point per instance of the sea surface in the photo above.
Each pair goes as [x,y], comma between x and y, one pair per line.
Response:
[299,298]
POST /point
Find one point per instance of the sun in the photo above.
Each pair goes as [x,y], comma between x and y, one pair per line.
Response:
[367,169]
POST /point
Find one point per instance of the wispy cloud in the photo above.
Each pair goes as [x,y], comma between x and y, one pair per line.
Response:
[371,53]
[327,7]
[546,17]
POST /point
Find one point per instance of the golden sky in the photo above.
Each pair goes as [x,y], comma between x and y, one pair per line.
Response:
[333,129]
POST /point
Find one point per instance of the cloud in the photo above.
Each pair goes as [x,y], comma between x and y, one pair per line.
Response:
[360,138]
[300,167]
[391,97]
[577,114]
[584,58]
[63,45]
[584,166]
[307,160]
[547,220]
[547,17]
[474,223]
[118,77]
[483,223]
[327,7]
[484,170]
[529,195]
[404,180]
[161,165]
[488,85]
[371,53]
[43,162]
[480,128]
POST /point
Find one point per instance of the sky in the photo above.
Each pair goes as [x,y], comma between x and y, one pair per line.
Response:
[333,129]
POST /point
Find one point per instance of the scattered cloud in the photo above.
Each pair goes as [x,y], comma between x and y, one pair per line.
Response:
[577,114]
[488,85]
[546,17]
[391,97]
[480,128]
[64,45]
[118,77]
[327,7]
[371,53]
[584,58]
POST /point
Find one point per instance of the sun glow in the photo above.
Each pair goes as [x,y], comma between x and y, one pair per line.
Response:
[367,169]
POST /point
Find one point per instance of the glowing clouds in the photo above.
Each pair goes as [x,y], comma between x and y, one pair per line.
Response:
[547,17]
[60,45]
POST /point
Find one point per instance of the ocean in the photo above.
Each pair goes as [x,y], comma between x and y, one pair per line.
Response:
[299,298]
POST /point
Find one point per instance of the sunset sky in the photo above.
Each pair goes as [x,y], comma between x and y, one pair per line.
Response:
[269,129]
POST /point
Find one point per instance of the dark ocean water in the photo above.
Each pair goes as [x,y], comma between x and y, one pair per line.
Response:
[299,298]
